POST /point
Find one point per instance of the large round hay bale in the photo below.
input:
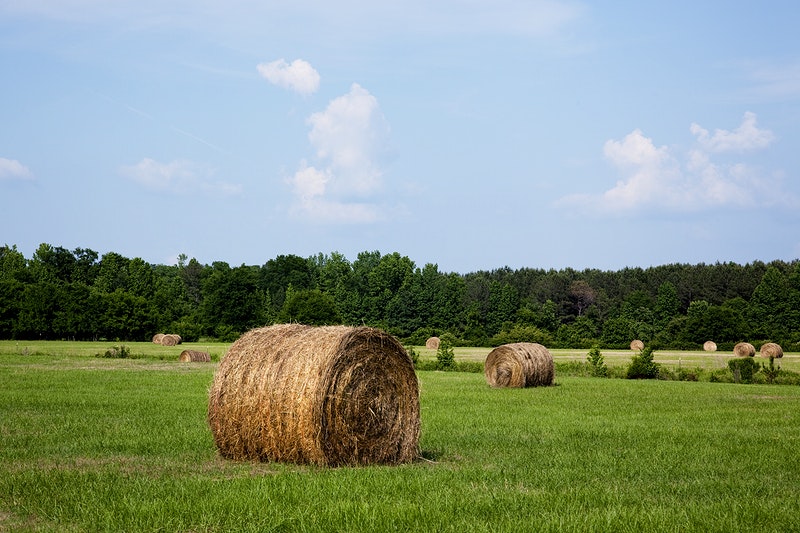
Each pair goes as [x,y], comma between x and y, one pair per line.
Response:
[710,346]
[194,356]
[744,349]
[157,338]
[171,339]
[771,349]
[432,343]
[637,345]
[520,364]
[330,395]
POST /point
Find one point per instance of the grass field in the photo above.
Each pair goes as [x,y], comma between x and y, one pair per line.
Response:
[95,444]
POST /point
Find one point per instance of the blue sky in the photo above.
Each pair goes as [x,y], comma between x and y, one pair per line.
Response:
[472,134]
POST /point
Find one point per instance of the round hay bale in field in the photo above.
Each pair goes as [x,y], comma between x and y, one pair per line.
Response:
[771,349]
[194,356]
[171,339]
[519,364]
[432,343]
[637,345]
[744,349]
[329,395]
[710,346]
[157,338]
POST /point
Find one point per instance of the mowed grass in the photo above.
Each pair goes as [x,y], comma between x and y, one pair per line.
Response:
[95,444]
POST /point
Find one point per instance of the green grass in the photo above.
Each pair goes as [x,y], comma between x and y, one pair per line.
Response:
[95,444]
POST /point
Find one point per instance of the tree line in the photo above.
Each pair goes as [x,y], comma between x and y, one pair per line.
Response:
[78,294]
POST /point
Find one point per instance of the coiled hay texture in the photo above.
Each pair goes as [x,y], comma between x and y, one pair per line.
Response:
[432,343]
[171,339]
[157,338]
[330,395]
[771,349]
[194,356]
[637,345]
[744,349]
[710,346]
[520,364]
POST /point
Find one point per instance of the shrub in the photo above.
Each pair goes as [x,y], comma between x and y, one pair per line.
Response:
[596,362]
[117,352]
[445,356]
[642,365]
[743,369]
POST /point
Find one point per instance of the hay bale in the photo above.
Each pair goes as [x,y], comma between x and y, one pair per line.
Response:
[157,338]
[194,356]
[771,349]
[432,343]
[637,345]
[520,364]
[330,395]
[710,346]
[744,349]
[171,339]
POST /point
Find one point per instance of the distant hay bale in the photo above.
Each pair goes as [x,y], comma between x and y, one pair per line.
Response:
[710,346]
[744,349]
[520,364]
[157,338]
[771,349]
[329,395]
[637,345]
[171,339]
[432,343]
[194,356]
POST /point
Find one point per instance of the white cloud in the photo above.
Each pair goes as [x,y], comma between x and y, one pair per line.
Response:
[663,178]
[746,137]
[11,169]
[298,76]
[181,177]
[349,139]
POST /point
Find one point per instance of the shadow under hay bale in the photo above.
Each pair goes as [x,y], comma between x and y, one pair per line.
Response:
[710,346]
[520,364]
[194,356]
[637,345]
[744,349]
[771,349]
[330,395]
[432,343]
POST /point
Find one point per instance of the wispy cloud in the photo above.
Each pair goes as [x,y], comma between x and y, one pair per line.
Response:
[298,76]
[664,178]
[349,139]
[11,169]
[180,177]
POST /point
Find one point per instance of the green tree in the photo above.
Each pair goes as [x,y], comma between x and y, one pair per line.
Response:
[445,356]
[309,306]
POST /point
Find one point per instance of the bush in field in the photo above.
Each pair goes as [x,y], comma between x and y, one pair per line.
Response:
[642,365]
[412,353]
[597,364]
[117,352]
[445,356]
[743,369]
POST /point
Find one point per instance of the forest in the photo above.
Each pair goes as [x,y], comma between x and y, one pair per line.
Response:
[79,295]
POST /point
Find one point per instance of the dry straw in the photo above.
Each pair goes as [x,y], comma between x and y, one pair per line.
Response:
[744,349]
[331,395]
[157,338]
[432,343]
[194,356]
[710,346]
[520,364]
[637,345]
[771,349]
[171,339]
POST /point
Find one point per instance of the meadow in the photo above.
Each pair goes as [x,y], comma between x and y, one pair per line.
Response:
[91,443]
